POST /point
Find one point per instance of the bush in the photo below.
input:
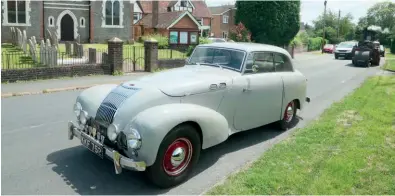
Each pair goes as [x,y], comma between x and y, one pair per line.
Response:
[240,33]
[316,43]
[393,47]
[163,41]
[297,41]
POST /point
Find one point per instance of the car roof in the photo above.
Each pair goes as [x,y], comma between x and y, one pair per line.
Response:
[249,47]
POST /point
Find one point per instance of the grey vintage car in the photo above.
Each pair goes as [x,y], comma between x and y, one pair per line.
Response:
[160,123]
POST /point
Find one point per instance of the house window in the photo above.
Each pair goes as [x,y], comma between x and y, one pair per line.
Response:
[173,37]
[225,19]
[225,35]
[193,37]
[136,17]
[82,22]
[183,3]
[112,12]
[183,37]
[16,12]
[51,21]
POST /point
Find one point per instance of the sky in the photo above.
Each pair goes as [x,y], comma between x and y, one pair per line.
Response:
[311,9]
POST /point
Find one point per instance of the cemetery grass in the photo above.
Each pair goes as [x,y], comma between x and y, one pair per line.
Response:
[389,62]
[18,60]
[350,149]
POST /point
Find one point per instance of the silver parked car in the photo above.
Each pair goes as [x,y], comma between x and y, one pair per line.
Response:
[160,123]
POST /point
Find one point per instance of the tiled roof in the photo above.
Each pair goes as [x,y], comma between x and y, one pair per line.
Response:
[220,9]
[201,10]
[164,19]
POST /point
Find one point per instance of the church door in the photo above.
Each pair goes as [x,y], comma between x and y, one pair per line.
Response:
[67,28]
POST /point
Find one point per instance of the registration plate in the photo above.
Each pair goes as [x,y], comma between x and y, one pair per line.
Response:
[93,146]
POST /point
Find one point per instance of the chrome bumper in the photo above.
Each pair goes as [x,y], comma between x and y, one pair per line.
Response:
[124,162]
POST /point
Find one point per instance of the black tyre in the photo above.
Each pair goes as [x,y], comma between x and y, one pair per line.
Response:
[177,155]
[288,117]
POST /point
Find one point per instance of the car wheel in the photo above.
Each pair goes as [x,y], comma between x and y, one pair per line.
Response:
[177,155]
[289,116]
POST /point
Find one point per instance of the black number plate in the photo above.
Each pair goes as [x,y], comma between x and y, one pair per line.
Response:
[93,146]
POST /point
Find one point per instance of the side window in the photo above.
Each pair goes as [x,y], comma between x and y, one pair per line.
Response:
[260,62]
[282,63]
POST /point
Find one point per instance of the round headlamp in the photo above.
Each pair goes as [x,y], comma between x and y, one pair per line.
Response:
[83,117]
[134,139]
[77,108]
[112,132]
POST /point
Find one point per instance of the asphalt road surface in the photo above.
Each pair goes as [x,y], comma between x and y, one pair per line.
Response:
[37,157]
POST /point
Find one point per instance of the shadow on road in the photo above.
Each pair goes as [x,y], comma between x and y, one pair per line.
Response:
[86,173]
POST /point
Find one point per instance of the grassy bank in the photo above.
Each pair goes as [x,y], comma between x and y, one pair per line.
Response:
[389,62]
[350,150]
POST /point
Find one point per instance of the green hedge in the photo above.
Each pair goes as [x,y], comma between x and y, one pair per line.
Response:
[315,43]
[163,41]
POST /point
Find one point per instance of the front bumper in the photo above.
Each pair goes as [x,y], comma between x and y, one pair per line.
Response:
[344,54]
[123,162]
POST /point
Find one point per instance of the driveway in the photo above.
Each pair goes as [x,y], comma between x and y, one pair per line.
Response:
[37,157]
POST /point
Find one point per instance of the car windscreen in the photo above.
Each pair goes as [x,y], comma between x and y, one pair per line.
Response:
[346,45]
[213,56]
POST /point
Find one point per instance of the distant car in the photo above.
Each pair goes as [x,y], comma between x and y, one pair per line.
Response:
[345,50]
[329,48]
[160,123]
[213,39]
[382,51]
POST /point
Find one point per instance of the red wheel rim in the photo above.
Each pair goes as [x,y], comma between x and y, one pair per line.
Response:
[289,112]
[177,157]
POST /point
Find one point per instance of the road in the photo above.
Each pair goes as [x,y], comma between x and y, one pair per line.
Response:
[37,157]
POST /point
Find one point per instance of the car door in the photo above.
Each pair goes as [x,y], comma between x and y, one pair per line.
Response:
[261,97]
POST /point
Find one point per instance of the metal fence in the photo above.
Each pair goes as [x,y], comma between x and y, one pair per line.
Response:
[133,58]
[21,60]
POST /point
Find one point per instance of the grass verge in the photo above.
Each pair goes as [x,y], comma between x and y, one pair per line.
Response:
[350,150]
[389,62]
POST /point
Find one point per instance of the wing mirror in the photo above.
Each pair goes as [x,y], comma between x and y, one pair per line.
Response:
[255,68]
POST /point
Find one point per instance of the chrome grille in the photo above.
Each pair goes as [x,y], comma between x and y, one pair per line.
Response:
[112,102]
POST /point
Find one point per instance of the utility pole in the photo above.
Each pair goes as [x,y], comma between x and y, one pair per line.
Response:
[323,42]
[338,25]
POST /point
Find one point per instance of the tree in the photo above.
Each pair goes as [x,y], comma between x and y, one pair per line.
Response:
[270,22]
[332,24]
[382,14]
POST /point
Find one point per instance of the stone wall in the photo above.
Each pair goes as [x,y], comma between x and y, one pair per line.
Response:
[53,72]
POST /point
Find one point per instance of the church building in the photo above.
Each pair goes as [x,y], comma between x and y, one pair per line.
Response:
[94,21]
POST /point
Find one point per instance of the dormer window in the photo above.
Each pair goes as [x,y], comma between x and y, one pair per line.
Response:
[183,3]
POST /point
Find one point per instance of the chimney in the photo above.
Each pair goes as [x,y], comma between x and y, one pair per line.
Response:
[155,12]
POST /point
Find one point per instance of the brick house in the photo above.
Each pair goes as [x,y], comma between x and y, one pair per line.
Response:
[180,26]
[95,21]
[222,21]
[197,8]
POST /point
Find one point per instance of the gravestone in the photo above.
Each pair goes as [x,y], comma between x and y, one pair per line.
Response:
[53,56]
[19,38]
[80,50]
[55,40]
[48,52]
[78,39]
[32,50]
[42,52]
[75,49]
[49,34]
[15,37]
[12,35]
[92,55]
[34,41]
[24,42]
[68,48]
